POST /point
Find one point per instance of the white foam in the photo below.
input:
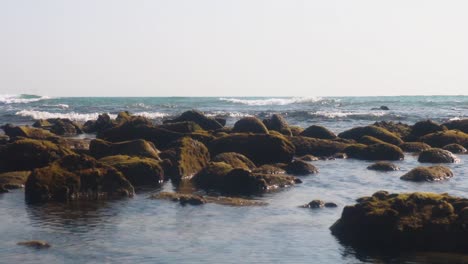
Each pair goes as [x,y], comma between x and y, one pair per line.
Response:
[273,101]
[20,99]
[61,106]
[227,114]
[151,115]
[346,114]
[71,115]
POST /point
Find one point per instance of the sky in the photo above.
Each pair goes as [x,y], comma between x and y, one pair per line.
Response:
[233,48]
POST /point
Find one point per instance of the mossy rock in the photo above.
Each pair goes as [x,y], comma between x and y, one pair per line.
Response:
[194,199]
[374,152]
[270,169]
[182,127]
[14,179]
[436,155]
[414,146]
[399,129]
[259,148]
[300,168]
[76,177]
[368,140]
[318,132]
[383,166]
[102,123]
[433,173]
[317,147]
[461,125]
[455,148]
[138,171]
[296,130]
[373,131]
[236,160]
[279,124]
[188,157]
[207,123]
[141,148]
[405,221]
[441,139]
[204,137]
[42,123]
[28,132]
[28,154]
[64,127]
[250,125]
[422,128]
[123,116]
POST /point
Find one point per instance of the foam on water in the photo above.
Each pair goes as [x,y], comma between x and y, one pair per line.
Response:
[21,98]
[71,115]
[273,101]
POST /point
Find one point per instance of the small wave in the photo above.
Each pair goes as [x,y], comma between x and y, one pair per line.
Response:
[151,115]
[71,115]
[273,101]
[61,106]
[334,115]
[227,114]
[21,98]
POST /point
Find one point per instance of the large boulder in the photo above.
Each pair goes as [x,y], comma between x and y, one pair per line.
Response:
[138,171]
[433,173]
[28,132]
[198,117]
[188,157]
[436,155]
[222,177]
[14,179]
[414,146]
[405,221]
[142,148]
[249,125]
[373,131]
[27,154]
[441,139]
[317,147]
[279,124]
[461,125]
[318,132]
[422,128]
[259,148]
[76,177]
[374,152]
[236,160]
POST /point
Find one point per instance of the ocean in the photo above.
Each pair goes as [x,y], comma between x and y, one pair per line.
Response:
[141,230]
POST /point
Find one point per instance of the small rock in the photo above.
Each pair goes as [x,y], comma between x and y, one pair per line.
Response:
[300,167]
[433,173]
[436,155]
[383,166]
[316,204]
[331,205]
[455,148]
[38,244]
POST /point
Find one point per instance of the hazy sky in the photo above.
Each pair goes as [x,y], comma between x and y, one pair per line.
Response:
[233,48]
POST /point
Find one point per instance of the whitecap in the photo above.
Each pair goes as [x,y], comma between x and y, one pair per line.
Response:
[273,101]
[21,98]
[227,114]
[71,115]
[151,115]
[333,115]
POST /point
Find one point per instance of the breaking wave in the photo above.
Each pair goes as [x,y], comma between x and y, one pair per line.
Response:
[21,98]
[80,116]
[273,101]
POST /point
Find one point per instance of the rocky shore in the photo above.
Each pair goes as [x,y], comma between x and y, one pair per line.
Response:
[231,165]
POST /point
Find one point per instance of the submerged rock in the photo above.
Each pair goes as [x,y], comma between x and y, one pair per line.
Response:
[410,221]
[314,204]
[142,148]
[436,155]
[433,173]
[375,152]
[383,166]
[249,125]
[38,244]
[374,131]
[193,199]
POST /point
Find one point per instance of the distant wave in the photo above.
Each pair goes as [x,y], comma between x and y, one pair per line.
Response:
[353,115]
[61,106]
[227,114]
[80,116]
[273,101]
[21,98]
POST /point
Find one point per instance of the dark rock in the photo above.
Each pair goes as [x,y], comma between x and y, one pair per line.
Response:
[383,107]
[3,189]
[383,166]
[221,120]
[203,121]
[461,125]
[375,152]
[42,123]
[64,127]
[433,173]
[425,127]
[250,125]
[455,148]
[295,130]
[181,127]
[194,199]
[316,204]
[399,129]
[441,139]
[138,171]
[269,169]
[37,244]
[279,124]
[436,155]
[318,132]
[236,160]
[100,148]
[76,177]
[308,158]
[340,155]
[373,131]
[317,147]
[259,148]
[368,140]
[14,179]
[4,139]
[331,205]
[414,146]
[103,123]
[299,167]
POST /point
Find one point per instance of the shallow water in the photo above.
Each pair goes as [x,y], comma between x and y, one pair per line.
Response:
[141,230]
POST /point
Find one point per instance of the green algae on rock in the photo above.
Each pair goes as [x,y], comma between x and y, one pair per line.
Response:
[374,131]
[250,125]
[374,152]
[234,159]
[194,199]
[433,173]
[320,132]
[142,148]
[436,155]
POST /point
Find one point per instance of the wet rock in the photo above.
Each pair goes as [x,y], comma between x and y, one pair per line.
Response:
[250,125]
[188,157]
[461,125]
[317,147]
[318,132]
[373,131]
[207,123]
[433,173]
[76,177]
[27,132]
[399,129]
[236,160]
[14,179]
[383,166]
[259,148]
[441,139]
[408,221]
[279,124]
[414,146]
[181,127]
[42,123]
[296,130]
[37,244]
[374,152]
[425,127]
[64,127]
[331,205]
[194,199]
[316,204]
[340,155]
[269,169]
[100,148]
[300,167]
[28,154]
[455,148]
[308,158]
[102,123]
[221,120]
[138,171]
[436,155]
